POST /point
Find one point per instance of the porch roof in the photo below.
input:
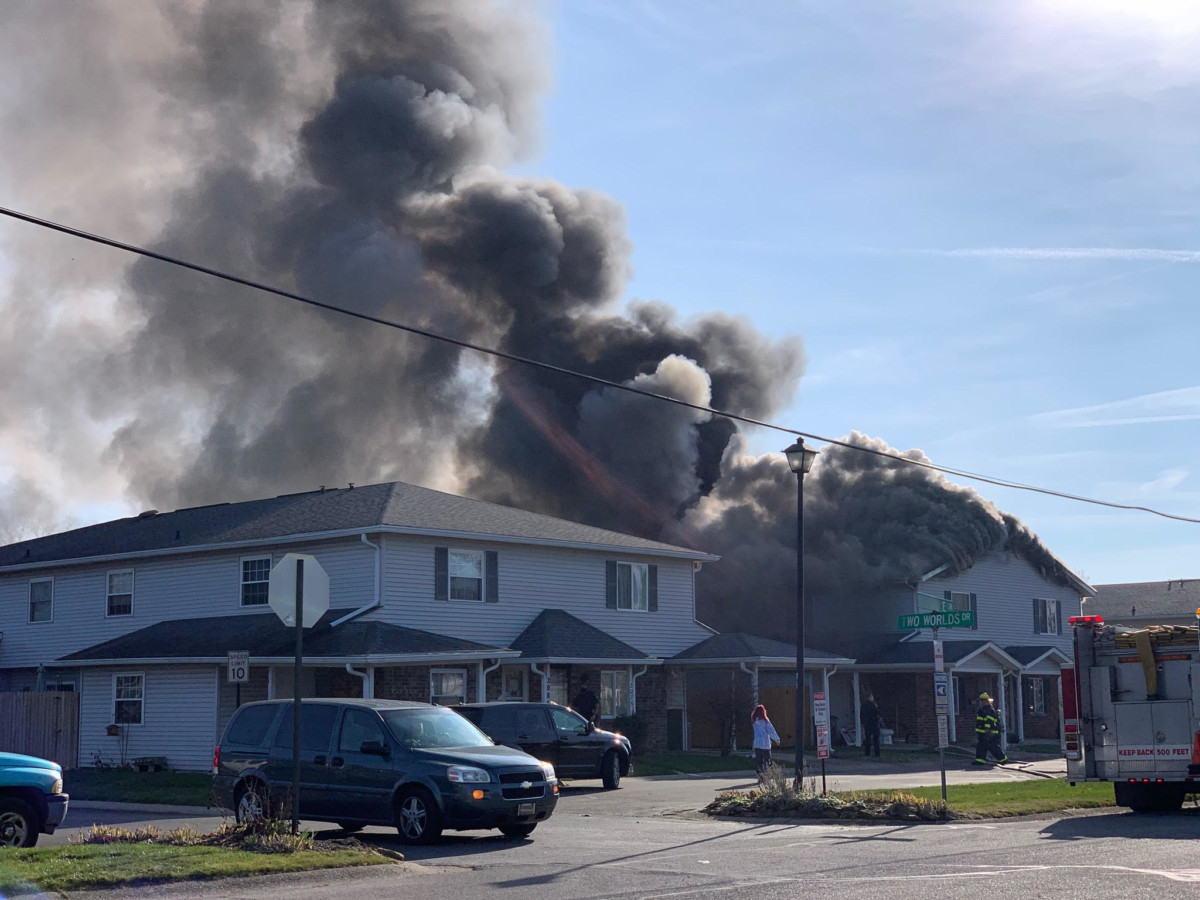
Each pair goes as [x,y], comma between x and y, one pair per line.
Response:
[557,636]
[268,640]
[918,655]
[739,647]
[1031,656]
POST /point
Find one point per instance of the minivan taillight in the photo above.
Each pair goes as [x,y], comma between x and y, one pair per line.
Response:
[216,758]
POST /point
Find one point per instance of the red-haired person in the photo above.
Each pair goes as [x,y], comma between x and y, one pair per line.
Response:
[764,735]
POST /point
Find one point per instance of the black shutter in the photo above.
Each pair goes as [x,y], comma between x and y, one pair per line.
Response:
[653,589]
[946,597]
[491,581]
[1036,623]
[1058,613]
[976,611]
[441,573]
[610,583]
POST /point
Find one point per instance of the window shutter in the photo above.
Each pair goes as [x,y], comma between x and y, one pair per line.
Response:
[441,573]
[653,589]
[1058,614]
[976,611]
[491,577]
[610,583]
[1036,630]
[949,602]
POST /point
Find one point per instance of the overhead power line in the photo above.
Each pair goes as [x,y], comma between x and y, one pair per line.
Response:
[538,364]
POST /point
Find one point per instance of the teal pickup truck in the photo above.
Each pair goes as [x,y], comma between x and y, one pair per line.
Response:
[32,801]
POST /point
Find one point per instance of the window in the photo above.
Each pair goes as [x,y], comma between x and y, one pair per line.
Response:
[316,726]
[1046,617]
[1035,696]
[447,686]
[960,601]
[466,575]
[120,593]
[558,686]
[250,725]
[41,600]
[358,727]
[614,693]
[513,683]
[128,699]
[632,586]
[568,722]
[256,579]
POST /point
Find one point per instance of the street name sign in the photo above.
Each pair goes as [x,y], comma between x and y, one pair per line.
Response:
[958,618]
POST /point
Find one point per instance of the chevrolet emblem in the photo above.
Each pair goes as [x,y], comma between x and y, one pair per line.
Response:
[526,785]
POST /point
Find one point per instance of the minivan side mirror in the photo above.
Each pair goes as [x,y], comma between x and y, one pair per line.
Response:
[375,748]
[589,727]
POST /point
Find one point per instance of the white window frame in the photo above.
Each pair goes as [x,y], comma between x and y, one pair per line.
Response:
[644,568]
[434,672]
[478,555]
[108,594]
[1048,623]
[614,693]
[142,699]
[242,582]
[29,610]
[960,597]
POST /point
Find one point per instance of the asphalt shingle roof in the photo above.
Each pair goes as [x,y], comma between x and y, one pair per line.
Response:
[1144,599]
[556,634]
[398,505]
[266,636]
[1027,654]
[749,646]
[910,653]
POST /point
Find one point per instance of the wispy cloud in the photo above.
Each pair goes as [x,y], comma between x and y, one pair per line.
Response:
[1123,254]
[1181,405]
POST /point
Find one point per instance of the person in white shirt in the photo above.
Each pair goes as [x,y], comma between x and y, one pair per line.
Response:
[764,735]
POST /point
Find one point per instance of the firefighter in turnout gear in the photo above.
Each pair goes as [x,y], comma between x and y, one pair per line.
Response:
[987,730]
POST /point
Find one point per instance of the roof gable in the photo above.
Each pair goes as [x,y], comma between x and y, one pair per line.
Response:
[556,634]
[747,647]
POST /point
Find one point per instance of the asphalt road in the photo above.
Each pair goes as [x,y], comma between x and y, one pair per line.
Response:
[635,842]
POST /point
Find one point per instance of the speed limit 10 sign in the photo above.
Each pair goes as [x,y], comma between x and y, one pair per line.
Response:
[239,666]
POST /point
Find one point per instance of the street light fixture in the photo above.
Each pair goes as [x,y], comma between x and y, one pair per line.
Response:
[800,460]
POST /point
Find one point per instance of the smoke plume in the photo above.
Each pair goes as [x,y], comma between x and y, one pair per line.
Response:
[356,153]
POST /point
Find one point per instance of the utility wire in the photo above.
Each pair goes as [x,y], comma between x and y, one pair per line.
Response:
[595,379]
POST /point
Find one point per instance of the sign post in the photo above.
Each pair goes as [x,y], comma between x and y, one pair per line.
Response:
[821,723]
[286,595]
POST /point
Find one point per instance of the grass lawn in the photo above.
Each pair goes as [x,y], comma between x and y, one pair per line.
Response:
[128,786]
[77,867]
[1010,798]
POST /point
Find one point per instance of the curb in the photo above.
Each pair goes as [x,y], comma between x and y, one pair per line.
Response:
[113,806]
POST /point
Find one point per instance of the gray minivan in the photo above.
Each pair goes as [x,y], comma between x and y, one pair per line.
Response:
[418,767]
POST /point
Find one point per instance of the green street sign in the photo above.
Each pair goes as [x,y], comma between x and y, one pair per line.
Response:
[959,618]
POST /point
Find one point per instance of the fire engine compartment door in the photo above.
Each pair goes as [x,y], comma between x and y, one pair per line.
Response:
[1194,675]
[1153,736]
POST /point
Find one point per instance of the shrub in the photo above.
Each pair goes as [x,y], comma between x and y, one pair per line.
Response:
[634,728]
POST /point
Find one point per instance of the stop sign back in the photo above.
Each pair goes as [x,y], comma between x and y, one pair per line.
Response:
[281,591]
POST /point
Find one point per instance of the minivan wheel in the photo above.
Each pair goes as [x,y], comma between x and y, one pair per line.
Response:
[251,805]
[517,831]
[610,771]
[18,823]
[418,819]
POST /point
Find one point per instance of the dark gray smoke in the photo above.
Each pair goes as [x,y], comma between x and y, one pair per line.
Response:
[354,152]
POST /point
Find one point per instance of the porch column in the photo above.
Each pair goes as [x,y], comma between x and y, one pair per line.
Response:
[1003,723]
[1020,710]
[1062,737]
[270,682]
[857,713]
[480,688]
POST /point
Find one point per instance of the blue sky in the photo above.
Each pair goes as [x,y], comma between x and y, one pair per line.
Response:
[982,224]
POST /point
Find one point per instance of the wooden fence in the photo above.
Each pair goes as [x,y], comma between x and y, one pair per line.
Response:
[41,723]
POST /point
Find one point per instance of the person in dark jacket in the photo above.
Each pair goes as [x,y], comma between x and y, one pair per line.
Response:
[868,717]
[987,732]
[586,703]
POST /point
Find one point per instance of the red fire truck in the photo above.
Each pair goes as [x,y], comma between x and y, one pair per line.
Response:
[1130,711]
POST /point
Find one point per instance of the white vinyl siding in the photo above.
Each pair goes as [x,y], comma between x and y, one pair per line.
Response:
[534,579]
[119,598]
[256,577]
[179,713]
[41,600]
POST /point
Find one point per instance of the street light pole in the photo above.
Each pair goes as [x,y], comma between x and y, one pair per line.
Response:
[800,460]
